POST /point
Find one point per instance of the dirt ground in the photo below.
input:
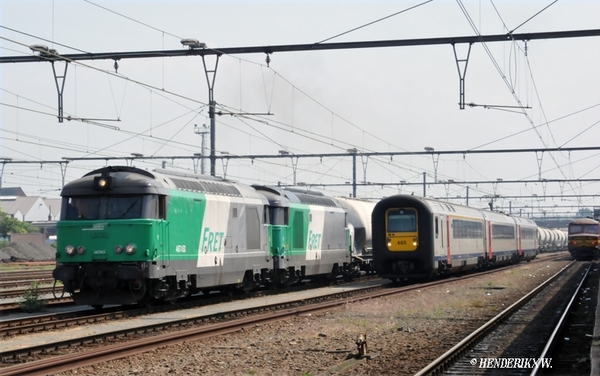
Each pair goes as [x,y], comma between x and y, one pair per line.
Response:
[403,334]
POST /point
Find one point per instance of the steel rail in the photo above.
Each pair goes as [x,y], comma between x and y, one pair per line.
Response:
[279,311]
[562,321]
[24,325]
[450,356]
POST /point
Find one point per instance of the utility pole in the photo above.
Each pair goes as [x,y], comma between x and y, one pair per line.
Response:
[211,74]
[353,151]
[202,132]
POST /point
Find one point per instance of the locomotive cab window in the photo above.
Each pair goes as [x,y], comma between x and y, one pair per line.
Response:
[277,215]
[401,220]
[112,207]
[583,229]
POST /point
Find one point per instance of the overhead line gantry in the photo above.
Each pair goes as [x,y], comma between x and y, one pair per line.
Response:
[200,49]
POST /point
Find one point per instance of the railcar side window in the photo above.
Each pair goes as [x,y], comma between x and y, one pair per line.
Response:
[462,229]
[503,232]
[401,220]
[528,233]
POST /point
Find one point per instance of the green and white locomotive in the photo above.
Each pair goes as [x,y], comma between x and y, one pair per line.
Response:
[128,235]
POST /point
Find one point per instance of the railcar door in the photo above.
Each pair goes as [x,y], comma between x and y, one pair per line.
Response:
[439,234]
[519,242]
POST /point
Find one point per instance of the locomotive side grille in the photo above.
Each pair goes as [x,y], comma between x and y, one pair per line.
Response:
[207,187]
[316,200]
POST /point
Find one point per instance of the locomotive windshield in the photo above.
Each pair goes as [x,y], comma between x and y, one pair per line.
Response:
[583,229]
[401,220]
[110,207]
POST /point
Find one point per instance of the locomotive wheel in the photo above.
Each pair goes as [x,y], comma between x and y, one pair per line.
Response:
[147,301]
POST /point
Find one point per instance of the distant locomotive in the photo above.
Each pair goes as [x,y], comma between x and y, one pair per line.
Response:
[128,235]
[584,234]
[416,237]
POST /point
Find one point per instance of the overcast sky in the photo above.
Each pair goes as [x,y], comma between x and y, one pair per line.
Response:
[395,99]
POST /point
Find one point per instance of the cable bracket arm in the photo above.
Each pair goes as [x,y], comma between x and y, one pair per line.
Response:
[461,66]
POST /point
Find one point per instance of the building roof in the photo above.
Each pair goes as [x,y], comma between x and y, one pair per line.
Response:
[15,204]
[12,192]
[53,205]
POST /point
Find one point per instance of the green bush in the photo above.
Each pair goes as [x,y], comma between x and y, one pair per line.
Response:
[32,301]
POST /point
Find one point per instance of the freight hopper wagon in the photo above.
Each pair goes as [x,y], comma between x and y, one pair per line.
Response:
[416,238]
[584,234]
[128,235]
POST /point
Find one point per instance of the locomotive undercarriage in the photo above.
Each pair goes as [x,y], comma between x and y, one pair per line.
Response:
[102,283]
[584,253]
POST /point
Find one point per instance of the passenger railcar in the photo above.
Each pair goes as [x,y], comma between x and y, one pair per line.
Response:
[584,234]
[416,237]
[128,235]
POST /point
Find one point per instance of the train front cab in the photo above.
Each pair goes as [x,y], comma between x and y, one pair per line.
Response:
[110,227]
[583,239]
[308,235]
[403,239]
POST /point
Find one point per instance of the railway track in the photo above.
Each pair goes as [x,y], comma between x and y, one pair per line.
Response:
[5,294]
[219,323]
[24,275]
[40,323]
[276,311]
[25,283]
[512,342]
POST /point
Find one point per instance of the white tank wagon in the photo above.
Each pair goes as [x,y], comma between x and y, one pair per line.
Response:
[359,222]
[552,240]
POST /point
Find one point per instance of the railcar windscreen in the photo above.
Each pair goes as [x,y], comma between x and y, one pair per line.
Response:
[110,207]
[583,229]
[401,220]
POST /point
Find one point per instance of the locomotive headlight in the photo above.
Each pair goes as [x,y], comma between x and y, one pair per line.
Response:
[103,183]
[389,242]
[415,242]
[81,250]
[118,249]
[70,250]
[130,249]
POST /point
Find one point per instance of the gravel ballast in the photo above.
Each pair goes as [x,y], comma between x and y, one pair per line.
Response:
[403,333]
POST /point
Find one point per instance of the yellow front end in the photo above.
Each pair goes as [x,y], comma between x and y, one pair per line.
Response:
[401,229]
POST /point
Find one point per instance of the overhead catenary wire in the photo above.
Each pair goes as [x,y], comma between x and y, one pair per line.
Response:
[503,76]
[374,22]
[294,124]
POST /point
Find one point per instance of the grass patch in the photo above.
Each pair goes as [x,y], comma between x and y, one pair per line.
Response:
[32,301]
